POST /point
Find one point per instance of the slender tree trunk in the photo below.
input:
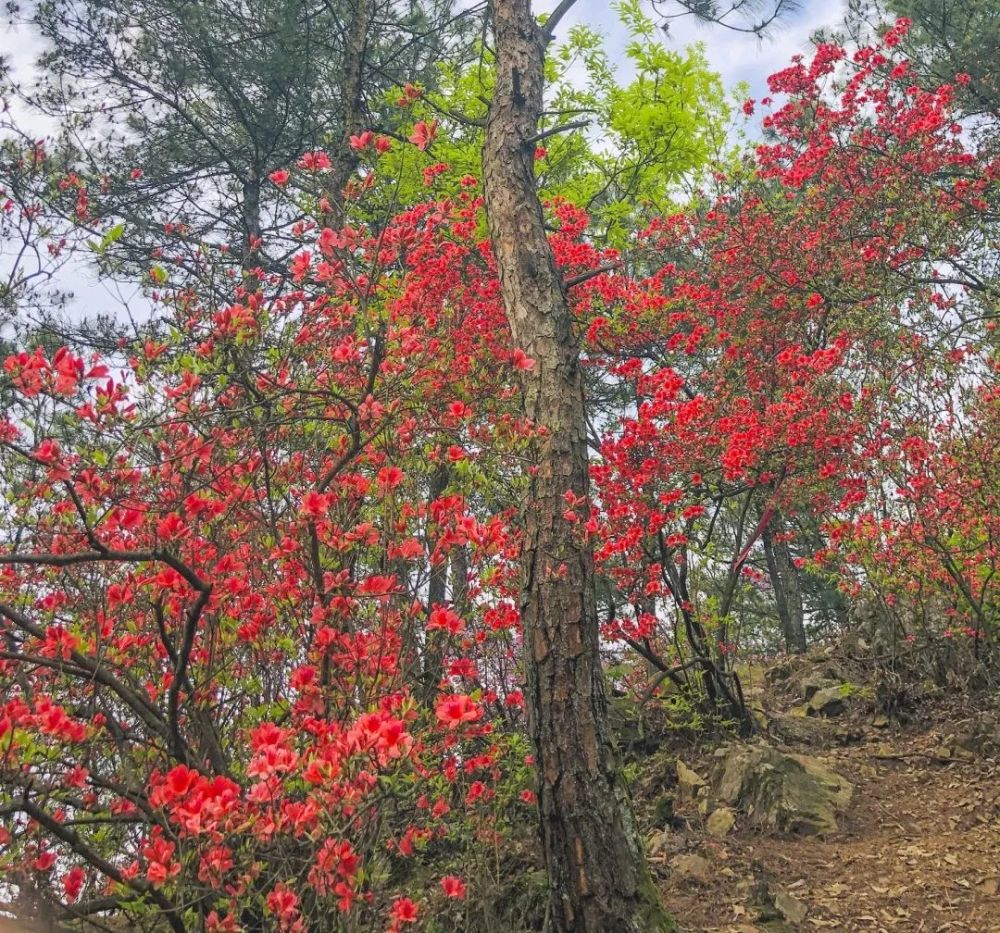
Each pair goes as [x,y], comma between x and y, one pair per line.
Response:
[787,589]
[598,875]
[437,592]
[251,220]
[344,159]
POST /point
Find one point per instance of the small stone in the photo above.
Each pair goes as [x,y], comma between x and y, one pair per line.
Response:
[791,908]
[691,866]
[720,822]
[814,683]
[690,781]
[658,842]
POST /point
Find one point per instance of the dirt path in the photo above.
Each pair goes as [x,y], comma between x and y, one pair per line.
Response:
[918,850]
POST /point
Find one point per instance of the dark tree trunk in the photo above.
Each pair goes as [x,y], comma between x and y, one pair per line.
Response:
[437,592]
[787,589]
[598,875]
[344,159]
[251,220]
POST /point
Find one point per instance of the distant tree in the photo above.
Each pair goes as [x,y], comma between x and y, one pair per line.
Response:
[947,38]
[184,109]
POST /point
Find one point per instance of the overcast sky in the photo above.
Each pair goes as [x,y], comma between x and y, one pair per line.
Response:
[737,57]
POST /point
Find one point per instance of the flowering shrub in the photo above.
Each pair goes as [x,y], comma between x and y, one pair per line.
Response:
[259,586]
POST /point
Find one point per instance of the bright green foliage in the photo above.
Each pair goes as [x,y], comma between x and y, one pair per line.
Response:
[629,143]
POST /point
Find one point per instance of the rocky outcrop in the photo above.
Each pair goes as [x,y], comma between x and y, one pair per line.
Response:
[828,701]
[789,793]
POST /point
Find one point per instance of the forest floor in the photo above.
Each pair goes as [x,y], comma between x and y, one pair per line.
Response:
[918,849]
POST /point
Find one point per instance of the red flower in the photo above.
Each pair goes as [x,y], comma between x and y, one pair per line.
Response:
[390,477]
[315,161]
[362,140]
[453,710]
[423,134]
[73,883]
[280,177]
[44,862]
[522,360]
[171,527]
[404,910]
[443,618]
[283,903]
[515,699]
[453,886]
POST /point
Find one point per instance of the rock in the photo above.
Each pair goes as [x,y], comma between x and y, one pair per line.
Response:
[830,701]
[798,730]
[658,842]
[788,793]
[778,673]
[791,908]
[690,781]
[814,683]
[720,822]
[693,867]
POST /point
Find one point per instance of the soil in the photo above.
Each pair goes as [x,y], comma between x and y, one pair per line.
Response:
[917,850]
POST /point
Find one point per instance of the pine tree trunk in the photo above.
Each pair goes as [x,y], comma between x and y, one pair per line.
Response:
[597,870]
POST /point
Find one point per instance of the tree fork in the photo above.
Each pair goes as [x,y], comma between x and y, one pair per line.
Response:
[599,879]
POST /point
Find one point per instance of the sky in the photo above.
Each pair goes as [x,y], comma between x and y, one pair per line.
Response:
[738,57]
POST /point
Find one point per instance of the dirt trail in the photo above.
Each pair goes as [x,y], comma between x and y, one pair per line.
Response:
[918,849]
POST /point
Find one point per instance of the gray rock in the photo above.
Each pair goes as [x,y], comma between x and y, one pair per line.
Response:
[830,701]
[693,867]
[798,730]
[789,793]
[815,682]
[791,908]
[720,822]
[688,780]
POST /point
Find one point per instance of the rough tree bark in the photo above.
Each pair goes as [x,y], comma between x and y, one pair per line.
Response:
[597,869]
[352,77]
[787,589]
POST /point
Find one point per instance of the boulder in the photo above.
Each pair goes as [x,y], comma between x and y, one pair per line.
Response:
[778,673]
[815,682]
[830,701]
[789,793]
[798,730]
